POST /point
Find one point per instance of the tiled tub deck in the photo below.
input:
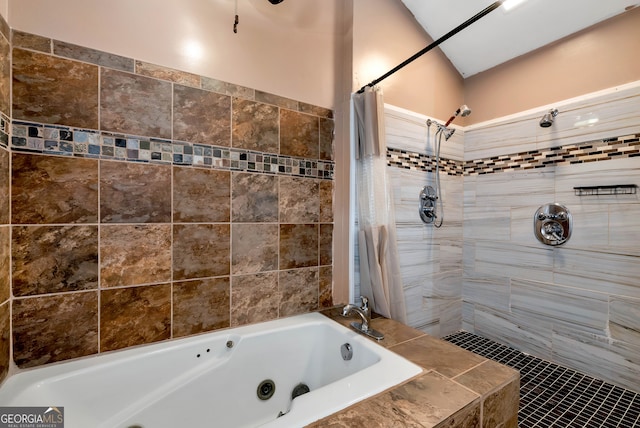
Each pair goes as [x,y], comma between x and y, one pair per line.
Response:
[457,389]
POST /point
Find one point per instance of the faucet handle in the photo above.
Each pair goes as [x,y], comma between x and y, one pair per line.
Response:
[365,302]
[365,306]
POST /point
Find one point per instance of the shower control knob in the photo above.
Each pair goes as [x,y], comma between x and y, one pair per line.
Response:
[552,224]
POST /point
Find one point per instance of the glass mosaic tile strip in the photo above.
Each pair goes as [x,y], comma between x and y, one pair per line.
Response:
[422,162]
[66,141]
[556,396]
[592,151]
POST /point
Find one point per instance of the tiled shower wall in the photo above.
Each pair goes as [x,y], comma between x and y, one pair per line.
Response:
[575,304]
[430,257]
[148,204]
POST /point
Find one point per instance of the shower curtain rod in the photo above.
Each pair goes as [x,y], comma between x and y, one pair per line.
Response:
[453,32]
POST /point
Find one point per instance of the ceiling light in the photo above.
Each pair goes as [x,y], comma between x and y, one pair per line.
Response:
[510,4]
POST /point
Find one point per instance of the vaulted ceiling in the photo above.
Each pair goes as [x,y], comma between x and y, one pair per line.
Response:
[506,34]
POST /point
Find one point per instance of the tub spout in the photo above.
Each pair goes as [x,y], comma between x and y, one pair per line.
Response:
[365,315]
[350,309]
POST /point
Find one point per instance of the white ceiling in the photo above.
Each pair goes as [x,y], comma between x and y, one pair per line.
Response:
[503,35]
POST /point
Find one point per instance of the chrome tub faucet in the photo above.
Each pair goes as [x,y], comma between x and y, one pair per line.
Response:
[364,312]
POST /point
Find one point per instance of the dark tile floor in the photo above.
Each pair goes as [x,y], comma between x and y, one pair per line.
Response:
[555,396]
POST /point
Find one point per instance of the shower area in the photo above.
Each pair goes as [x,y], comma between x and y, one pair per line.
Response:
[484,271]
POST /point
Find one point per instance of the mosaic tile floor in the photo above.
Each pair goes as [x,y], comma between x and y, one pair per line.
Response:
[555,396]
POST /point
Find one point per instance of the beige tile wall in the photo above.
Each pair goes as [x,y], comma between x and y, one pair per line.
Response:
[112,249]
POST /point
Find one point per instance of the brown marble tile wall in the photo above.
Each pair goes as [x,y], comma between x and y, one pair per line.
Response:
[5,253]
[299,134]
[299,291]
[135,254]
[135,193]
[325,298]
[53,259]
[133,316]
[326,244]
[254,248]
[255,126]
[200,306]
[5,339]
[134,104]
[164,73]
[92,56]
[326,138]
[66,190]
[190,105]
[200,250]
[123,235]
[5,76]
[299,200]
[30,41]
[47,329]
[4,28]
[5,264]
[249,306]
[49,89]
[298,245]
[254,198]
[4,186]
[201,195]
[326,201]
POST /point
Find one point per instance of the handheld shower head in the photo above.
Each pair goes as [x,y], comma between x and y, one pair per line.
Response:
[463,111]
[547,119]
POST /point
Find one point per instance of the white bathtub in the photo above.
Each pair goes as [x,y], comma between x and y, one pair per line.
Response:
[202,382]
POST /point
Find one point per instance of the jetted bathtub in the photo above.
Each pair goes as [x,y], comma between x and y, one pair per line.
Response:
[219,379]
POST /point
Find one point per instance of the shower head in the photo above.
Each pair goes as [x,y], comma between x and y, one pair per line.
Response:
[463,111]
[547,119]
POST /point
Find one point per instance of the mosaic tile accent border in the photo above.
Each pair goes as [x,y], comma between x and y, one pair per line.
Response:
[68,141]
[626,146]
[421,162]
[592,151]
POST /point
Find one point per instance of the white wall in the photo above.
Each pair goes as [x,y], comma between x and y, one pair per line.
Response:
[287,49]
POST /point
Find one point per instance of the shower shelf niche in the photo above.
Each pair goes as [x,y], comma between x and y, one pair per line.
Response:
[615,189]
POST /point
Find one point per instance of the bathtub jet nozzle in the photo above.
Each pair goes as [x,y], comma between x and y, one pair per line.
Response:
[266,389]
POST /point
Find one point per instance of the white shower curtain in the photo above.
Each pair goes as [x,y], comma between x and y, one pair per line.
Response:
[380,278]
